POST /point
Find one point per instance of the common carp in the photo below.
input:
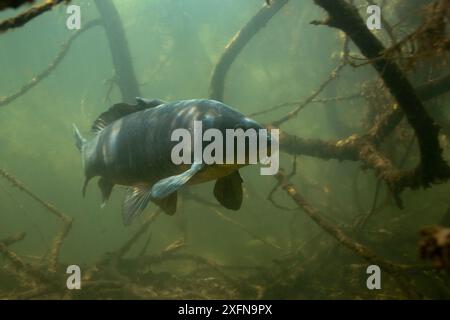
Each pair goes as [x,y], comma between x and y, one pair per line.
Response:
[133,146]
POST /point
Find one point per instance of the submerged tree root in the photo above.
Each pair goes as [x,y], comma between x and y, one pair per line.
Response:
[116,276]
[365,148]
[432,168]
[124,73]
[66,225]
[398,270]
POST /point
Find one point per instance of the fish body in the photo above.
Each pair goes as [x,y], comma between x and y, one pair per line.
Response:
[133,147]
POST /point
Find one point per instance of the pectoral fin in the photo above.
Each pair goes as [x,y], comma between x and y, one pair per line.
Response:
[228,191]
[167,186]
[168,205]
[85,184]
[136,199]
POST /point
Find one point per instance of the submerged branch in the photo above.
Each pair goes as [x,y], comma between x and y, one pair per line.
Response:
[213,265]
[65,219]
[121,56]
[426,92]
[434,88]
[333,75]
[344,149]
[358,248]
[365,148]
[246,230]
[52,66]
[355,148]
[31,194]
[13,239]
[237,44]
[142,230]
[55,248]
[5,4]
[433,168]
[27,16]
[24,267]
[297,103]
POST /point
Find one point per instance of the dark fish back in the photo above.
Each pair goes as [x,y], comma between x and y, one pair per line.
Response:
[137,148]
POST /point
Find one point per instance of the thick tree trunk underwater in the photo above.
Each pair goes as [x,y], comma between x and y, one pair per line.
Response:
[125,76]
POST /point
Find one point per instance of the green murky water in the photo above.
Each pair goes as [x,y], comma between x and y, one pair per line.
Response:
[260,251]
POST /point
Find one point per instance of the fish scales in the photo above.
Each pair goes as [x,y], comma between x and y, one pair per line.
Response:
[118,156]
[133,147]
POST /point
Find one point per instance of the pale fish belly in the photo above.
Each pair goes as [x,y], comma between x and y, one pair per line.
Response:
[214,172]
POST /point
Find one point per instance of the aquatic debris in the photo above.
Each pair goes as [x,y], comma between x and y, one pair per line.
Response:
[429,41]
[399,270]
[435,246]
[60,236]
[433,168]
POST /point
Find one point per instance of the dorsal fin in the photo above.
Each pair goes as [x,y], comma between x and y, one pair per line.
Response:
[120,110]
[146,103]
[114,113]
